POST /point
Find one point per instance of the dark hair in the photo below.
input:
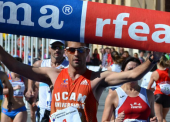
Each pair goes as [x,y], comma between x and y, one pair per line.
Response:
[127,60]
[18,59]
[117,58]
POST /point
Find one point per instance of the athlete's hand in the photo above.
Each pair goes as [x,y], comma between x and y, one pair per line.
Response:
[17,87]
[157,55]
[29,94]
[120,117]
[154,119]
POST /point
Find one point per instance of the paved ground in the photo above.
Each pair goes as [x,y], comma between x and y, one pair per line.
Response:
[101,107]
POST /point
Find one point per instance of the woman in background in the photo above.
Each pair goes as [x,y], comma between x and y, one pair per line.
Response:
[162,92]
[19,111]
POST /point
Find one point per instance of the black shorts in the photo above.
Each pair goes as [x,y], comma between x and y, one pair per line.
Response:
[162,99]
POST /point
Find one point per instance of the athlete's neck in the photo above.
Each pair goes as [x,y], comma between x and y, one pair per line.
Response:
[55,62]
[76,73]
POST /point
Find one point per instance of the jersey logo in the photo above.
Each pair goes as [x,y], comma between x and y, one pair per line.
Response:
[135,105]
[84,82]
[122,96]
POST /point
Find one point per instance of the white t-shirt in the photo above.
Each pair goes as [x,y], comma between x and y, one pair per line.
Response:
[146,79]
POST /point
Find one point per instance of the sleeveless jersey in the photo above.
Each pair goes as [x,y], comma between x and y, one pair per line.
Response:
[19,92]
[77,93]
[137,109]
[44,89]
[1,90]
[163,83]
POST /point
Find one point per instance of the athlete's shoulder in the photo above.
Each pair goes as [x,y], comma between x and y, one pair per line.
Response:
[37,63]
[112,96]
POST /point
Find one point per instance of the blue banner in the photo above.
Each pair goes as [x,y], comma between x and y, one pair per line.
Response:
[42,18]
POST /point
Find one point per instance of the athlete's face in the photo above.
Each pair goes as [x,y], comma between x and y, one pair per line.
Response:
[130,66]
[77,53]
[57,50]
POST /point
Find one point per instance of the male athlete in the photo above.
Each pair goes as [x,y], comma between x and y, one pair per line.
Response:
[76,85]
[57,60]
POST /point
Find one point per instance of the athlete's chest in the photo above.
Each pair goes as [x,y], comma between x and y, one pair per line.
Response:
[135,108]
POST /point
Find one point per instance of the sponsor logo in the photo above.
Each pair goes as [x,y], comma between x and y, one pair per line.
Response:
[136,105]
[84,82]
[122,96]
[64,83]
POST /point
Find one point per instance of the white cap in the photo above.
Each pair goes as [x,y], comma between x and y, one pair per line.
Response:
[53,41]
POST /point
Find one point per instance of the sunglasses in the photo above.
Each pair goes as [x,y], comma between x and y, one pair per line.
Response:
[54,47]
[79,50]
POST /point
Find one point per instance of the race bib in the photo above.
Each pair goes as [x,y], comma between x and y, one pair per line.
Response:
[165,88]
[69,114]
[19,92]
[134,120]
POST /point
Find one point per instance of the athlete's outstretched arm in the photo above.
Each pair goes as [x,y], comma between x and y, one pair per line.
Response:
[112,78]
[37,74]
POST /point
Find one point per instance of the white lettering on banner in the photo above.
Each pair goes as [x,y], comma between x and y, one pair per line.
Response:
[155,35]
[13,13]
[132,31]
[119,24]
[54,17]
[72,97]
[100,25]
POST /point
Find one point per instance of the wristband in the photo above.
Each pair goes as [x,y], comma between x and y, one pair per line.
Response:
[151,60]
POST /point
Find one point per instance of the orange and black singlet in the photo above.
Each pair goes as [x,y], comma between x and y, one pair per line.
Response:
[77,93]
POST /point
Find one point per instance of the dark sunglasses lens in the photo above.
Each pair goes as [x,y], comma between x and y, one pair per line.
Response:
[72,50]
[57,47]
[80,50]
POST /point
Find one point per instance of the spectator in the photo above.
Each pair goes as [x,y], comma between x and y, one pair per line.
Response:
[121,51]
[109,57]
[126,54]
[141,54]
[148,54]
[116,67]
[95,60]
[97,54]
[112,49]
[136,55]
[104,57]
